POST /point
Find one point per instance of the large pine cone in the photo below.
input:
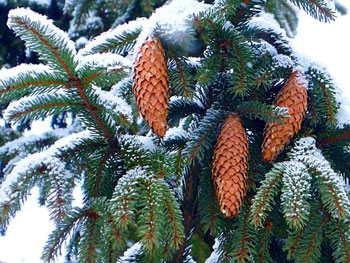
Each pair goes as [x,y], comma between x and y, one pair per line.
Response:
[276,135]
[230,166]
[151,84]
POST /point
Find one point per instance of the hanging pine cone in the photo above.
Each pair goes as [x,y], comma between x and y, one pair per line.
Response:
[276,135]
[230,165]
[151,84]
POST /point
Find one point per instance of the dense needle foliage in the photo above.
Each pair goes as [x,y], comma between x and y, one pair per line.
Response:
[156,197]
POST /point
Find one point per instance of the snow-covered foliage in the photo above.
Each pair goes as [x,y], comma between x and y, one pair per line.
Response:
[152,197]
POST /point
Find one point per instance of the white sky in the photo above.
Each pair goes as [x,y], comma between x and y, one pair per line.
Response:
[327,44]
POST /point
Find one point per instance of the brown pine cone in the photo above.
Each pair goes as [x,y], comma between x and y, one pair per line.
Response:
[276,135]
[151,84]
[230,166]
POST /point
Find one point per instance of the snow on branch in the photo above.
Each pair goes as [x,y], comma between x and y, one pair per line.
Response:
[331,185]
[265,197]
[39,106]
[20,80]
[116,40]
[295,194]
[109,61]
[37,160]
[52,44]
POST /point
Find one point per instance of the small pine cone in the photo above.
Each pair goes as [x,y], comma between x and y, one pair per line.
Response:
[276,135]
[151,84]
[230,166]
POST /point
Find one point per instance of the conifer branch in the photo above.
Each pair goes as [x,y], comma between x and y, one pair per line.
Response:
[122,203]
[295,194]
[264,198]
[313,244]
[209,210]
[305,244]
[344,241]
[181,74]
[44,38]
[80,88]
[58,203]
[60,234]
[202,136]
[338,234]
[339,136]
[263,111]
[243,252]
[264,243]
[29,79]
[148,229]
[100,169]
[243,7]
[40,107]
[330,105]
[181,77]
[321,95]
[175,235]
[316,8]
[329,183]
[91,250]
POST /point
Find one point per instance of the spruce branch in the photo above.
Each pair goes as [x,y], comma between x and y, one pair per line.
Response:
[330,184]
[90,240]
[295,194]
[69,224]
[59,52]
[103,162]
[286,15]
[181,108]
[321,94]
[262,255]
[40,106]
[56,189]
[241,63]
[242,10]
[120,40]
[181,73]
[26,79]
[41,36]
[202,138]
[91,109]
[239,12]
[293,240]
[338,233]
[245,236]
[262,111]
[270,36]
[22,178]
[264,199]
[123,202]
[208,208]
[309,247]
[318,9]
[338,135]
[150,217]
[225,241]
[103,70]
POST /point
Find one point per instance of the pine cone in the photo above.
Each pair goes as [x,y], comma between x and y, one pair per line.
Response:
[230,165]
[276,135]
[151,84]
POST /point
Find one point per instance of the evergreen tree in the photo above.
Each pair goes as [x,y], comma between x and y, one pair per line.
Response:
[194,129]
